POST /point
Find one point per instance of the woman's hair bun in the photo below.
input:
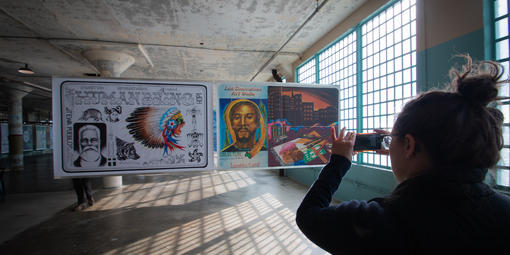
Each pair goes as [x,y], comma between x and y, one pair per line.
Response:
[478,83]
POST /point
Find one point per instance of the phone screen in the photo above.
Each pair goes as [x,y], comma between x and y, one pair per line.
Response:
[368,142]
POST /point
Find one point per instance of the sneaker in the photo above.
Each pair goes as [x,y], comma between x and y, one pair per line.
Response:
[80,207]
[91,201]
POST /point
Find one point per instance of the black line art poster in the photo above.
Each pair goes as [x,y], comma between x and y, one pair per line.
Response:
[112,127]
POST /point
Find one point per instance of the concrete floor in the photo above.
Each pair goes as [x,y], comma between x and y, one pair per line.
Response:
[227,212]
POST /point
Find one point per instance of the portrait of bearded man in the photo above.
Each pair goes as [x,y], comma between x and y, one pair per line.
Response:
[246,127]
[89,141]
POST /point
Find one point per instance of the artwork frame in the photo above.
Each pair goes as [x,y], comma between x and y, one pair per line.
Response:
[298,119]
[121,126]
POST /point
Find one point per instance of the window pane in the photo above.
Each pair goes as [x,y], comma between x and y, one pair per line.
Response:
[500,8]
[503,177]
[502,49]
[306,73]
[502,28]
[506,134]
[505,157]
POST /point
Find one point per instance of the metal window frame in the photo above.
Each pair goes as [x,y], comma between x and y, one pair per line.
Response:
[360,81]
[329,46]
[490,41]
[296,70]
[359,71]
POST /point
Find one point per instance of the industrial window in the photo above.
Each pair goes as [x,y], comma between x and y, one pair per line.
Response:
[374,65]
[337,65]
[307,72]
[388,68]
[500,52]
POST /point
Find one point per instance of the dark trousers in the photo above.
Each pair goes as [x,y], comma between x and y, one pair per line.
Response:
[83,189]
[2,185]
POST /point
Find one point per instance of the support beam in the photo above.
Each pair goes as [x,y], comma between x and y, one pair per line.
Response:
[15,118]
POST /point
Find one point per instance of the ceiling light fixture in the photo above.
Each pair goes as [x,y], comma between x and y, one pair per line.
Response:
[25,70]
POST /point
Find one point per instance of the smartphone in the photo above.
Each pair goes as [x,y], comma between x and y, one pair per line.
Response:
[368,142]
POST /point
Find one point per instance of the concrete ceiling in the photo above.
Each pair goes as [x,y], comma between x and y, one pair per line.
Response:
[232,40]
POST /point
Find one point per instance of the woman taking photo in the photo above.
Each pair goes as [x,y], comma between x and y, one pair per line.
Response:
[442,144]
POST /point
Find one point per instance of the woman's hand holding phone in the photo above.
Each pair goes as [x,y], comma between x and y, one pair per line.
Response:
[343,144]
[382,151]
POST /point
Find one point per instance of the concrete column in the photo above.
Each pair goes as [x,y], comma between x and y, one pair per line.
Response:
[16,129]
[110,64]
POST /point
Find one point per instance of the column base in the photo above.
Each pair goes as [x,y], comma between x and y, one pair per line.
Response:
[16,152]
[16,162]
[112,182]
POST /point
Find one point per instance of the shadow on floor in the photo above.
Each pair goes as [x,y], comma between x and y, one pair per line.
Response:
[228,212]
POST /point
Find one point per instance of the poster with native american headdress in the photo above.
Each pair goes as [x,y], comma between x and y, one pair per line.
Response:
[113,127]
[243,126]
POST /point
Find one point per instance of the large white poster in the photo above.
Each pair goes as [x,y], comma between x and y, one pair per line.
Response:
[112,127]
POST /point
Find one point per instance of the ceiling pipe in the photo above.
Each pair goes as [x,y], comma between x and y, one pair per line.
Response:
[290,38]
[29,84]
[145,54]
[50,39]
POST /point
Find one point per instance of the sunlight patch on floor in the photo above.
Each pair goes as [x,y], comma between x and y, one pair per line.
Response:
[173,192]
[261,225]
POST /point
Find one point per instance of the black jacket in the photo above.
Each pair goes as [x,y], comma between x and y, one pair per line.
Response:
[450,211]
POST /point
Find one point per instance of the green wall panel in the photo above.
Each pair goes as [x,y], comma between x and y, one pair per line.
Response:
[360,182]
[364,183]
[435,63]
[305,176]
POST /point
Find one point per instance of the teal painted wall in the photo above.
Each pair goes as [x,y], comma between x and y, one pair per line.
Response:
[433,65]
[360,182]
